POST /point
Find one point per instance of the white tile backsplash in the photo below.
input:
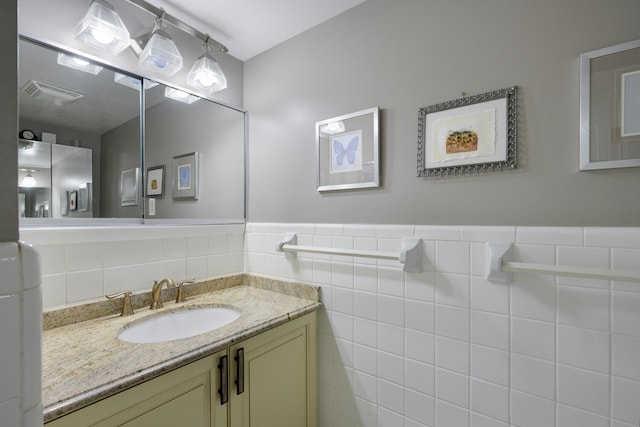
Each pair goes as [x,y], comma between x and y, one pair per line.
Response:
[531,411]
[490,329]
[534,376]
[10,319]
[584,389]
[584,348]
[439,348]
[490,399]
[489,364]
[452,355]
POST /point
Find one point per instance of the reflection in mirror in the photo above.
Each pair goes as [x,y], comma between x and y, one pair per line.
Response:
[194,158]
[71,115]
[81,141]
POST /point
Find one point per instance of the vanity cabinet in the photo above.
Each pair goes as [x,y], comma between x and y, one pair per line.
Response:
[270,381]
[180,397]
[275,377]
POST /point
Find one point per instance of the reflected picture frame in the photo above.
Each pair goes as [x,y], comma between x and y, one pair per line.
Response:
[73,200]
[64,203]
[129,182]
[155,181]
[472,134]
[84,197]
[185,176]
[610,107]
[348,151]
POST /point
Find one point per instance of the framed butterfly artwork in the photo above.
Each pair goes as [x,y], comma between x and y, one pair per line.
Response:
[347,149]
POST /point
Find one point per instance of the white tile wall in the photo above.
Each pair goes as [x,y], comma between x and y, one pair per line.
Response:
[439,348]
[446,348]
[83,264]
[20,335]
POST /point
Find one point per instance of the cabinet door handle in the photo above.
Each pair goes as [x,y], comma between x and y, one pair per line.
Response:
[223,367]
[240,370]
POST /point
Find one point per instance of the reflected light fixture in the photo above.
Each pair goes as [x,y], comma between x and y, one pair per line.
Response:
[78,63]
[29,180]
[179,95]
[333,128]
[132,82]
[206,74]
[102,29]
[160,53]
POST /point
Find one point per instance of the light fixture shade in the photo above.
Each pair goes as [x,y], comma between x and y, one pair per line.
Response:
[180,95]
[132,82]
[206,74]
[333,128]
[28,181]
[102,29]
[78,63]
[161,54]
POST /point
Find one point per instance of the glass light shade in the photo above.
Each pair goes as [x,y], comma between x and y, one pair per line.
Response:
[132,82]
[28,181]
[78,63]
[333,128]
[206,75]
[102,29]
[179,95]
[161,54]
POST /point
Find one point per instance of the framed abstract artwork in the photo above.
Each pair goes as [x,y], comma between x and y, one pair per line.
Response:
[469,135]
[155,181]
[185,176]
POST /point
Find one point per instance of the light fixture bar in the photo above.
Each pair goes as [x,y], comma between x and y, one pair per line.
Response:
[177,23]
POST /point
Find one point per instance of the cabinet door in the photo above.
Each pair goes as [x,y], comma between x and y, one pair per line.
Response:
[277,370]
[187,396]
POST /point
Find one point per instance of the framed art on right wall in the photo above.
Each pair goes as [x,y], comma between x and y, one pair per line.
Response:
[471,134]
[610,107]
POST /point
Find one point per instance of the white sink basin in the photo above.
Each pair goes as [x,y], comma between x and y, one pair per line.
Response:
[176,325]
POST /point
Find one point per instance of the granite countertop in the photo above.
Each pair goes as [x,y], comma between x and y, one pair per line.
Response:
[85,362]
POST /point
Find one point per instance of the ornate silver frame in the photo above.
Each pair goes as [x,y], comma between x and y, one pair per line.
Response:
[511,95]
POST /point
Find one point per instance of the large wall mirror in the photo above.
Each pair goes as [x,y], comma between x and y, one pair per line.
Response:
[87,148]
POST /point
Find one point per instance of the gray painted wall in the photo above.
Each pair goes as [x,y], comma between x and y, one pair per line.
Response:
[406,54]
[120,151]
[8,123]
[217,133]
[174,128]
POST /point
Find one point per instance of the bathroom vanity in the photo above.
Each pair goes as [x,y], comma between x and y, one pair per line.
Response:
[259,370]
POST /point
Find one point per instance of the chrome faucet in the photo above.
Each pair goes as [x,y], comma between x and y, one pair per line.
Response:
[155,292]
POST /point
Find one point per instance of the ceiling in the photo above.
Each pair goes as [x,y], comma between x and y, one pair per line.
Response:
[249,27]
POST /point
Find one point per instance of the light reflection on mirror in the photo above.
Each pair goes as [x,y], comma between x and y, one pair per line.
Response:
[87,138]
[73,107]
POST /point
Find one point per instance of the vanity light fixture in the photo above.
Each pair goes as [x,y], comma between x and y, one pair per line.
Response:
[206,74]
[179,95]
[29,180]
[160,53]
[132,82]
[102,29]
[78,63]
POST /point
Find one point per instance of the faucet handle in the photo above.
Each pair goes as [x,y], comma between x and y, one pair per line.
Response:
[180,297]
[127,310]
